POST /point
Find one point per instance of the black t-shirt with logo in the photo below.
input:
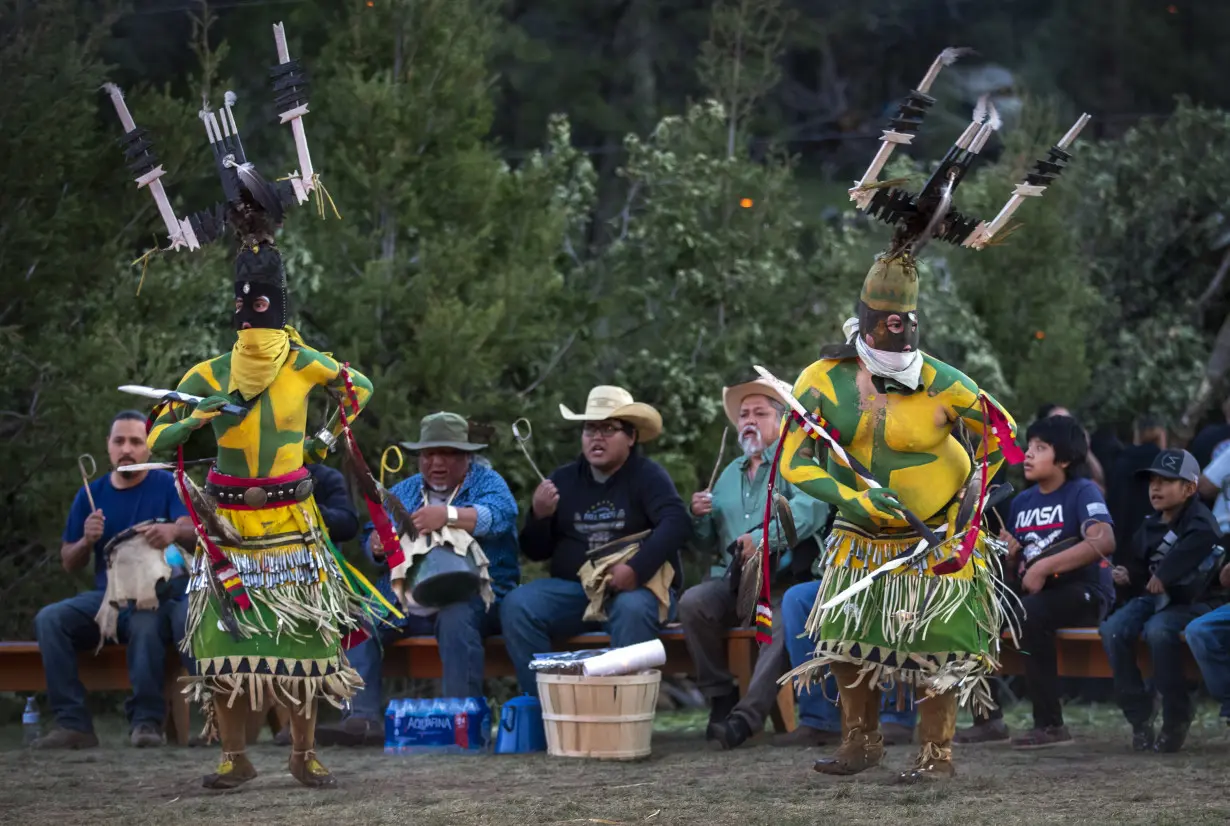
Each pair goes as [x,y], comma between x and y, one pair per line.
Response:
[640,496]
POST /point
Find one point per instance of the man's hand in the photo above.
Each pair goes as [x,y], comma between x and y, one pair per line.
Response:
[623,578]
[1120,575]
[1008,539]
[208,408]
[702,503]
[94,525]
[430,518]
[747,546]
[1225,576]
[1035,578]
[546,497]
[375,545]
[159,535]
[881,502]
[1155,586]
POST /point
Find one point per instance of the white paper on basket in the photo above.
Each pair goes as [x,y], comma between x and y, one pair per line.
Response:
[630,659]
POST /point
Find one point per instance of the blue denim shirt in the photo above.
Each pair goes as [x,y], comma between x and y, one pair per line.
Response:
[496,530]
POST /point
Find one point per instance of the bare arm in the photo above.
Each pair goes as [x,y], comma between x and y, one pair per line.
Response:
[75,555]
[1099,543]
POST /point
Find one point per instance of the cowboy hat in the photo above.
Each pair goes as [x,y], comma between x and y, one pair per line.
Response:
[607,402]
[443,430]
[732,397]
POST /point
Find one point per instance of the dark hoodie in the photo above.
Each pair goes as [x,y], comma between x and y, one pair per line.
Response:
[1174,551]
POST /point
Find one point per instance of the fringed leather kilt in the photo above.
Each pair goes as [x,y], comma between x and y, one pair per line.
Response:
[936,633]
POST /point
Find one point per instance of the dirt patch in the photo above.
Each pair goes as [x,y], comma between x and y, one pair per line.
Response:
[1096,780]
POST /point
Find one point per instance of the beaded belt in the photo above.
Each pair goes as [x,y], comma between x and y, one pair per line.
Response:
[256,493]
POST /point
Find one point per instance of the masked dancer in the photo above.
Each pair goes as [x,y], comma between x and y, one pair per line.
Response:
[271,601]
[904,487]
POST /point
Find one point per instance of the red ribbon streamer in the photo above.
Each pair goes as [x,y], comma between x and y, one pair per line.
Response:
[764,609]
[218,561]
[394,555]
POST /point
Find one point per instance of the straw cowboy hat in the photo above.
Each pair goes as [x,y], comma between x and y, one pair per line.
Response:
[606,402]
[732,397]
[444,430]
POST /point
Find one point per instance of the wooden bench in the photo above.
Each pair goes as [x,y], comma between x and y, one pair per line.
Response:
[21,670]
[1079,654]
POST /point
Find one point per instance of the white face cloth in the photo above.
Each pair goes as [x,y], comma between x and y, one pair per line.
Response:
[903,368]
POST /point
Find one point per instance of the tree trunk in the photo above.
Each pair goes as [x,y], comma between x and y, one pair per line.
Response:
[1211,385]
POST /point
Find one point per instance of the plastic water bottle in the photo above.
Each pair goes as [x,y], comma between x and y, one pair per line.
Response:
[390,726]
[175,558]
[29,722]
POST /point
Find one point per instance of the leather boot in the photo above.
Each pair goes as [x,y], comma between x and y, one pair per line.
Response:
[862,745]
[234,769]
[937,722]
[304,765]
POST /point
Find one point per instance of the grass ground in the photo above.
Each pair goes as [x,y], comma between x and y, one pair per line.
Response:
[1097,780]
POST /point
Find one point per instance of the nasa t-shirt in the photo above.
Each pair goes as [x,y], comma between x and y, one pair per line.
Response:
[1041,520]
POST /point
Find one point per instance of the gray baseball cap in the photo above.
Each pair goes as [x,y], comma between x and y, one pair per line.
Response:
[1173,464]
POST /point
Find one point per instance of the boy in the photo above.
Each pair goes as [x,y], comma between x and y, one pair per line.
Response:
[1061,536]
[1170,556]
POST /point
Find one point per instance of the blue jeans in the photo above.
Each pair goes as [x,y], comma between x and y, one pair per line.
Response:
[534,613]
[1209,639]
[814,709]
[1121,632]
[64,628]
[459,630]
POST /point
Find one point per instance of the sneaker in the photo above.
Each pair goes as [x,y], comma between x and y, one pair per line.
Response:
[1143,737]
[1172,737]
[1043,738]
[896,734]
[147,735]
[353,731]
[719,710]
[66,738]
[991,731]
[806,737]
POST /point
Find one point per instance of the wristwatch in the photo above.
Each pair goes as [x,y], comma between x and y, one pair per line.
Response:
[452,516]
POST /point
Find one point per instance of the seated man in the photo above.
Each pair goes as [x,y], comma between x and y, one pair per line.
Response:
[122,500]
[610,492]
[1209,639]
[450,489]
[730,519]
[1168,553]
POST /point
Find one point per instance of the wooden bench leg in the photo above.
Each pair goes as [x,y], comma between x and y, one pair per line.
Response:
[178,725]
[783,710]
[741,657]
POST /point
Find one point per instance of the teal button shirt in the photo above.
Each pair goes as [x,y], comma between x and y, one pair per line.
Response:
[738,508]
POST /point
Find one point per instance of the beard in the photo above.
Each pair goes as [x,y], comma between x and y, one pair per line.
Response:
[438,488]
[751,442]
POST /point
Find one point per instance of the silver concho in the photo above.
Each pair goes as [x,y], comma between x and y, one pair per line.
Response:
[303,490]
[255,497]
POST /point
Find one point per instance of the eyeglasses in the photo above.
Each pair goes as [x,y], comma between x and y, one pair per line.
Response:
[604,429]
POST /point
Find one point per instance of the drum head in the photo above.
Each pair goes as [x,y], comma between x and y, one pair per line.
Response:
[444,577]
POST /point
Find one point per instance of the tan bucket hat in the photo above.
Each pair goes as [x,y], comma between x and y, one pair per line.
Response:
[732,397]
[608,402]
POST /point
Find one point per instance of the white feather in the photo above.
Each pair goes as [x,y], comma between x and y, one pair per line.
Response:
[112,89]
[996,122]
[980,110]
[949,56]
[230,98]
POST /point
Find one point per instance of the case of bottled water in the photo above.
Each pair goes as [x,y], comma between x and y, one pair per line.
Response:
[445,725]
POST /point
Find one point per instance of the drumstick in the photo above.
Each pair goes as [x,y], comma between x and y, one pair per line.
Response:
[85,477]
[718,466]
[521,440]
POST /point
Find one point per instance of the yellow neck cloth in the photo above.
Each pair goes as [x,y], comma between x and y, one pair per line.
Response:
[256,358]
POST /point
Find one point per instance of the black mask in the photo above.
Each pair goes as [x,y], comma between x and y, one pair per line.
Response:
[260,288]
[893,332]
